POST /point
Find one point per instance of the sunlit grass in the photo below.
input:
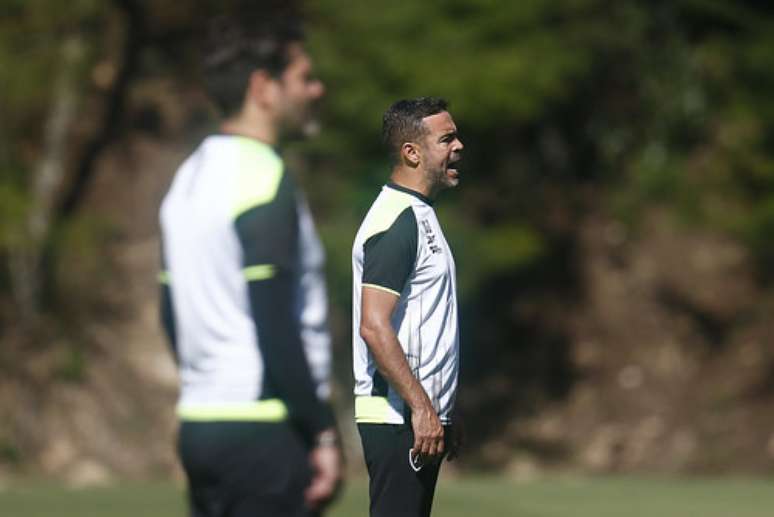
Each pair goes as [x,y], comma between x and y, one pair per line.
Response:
[469,496]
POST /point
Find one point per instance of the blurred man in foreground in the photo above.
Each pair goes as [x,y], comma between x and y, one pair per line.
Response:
[243,295]
[405,315]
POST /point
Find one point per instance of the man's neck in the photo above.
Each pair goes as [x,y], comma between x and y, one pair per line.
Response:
[254,127]
[412,179]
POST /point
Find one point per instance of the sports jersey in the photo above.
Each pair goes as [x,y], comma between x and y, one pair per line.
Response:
[400,248]
[244,295]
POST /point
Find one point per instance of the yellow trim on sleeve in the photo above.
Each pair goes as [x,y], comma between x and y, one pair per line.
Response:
[372,410]
[165,278]
[381,288]
[270,410]
[260,272]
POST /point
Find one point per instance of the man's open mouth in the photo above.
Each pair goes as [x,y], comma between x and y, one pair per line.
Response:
[452,167]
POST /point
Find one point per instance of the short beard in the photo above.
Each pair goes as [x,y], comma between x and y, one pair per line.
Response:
[301,130]
[437,180]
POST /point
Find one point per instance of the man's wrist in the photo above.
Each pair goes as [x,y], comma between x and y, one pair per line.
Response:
[423,406]
[327,438]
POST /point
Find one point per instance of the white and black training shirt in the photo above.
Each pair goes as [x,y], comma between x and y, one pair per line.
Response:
[401,249]
[243,292]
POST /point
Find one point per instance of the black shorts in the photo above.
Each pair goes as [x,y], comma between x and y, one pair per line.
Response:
[244,469]
[395,489]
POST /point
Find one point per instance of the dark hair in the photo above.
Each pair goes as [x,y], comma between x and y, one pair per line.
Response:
[402,122]
[237,45]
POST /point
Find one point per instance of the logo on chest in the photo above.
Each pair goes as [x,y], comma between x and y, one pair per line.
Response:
[430,237]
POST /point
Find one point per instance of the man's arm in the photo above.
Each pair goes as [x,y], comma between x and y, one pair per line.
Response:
[166,309]
[377,331]
[168,318]
[269,236]
[268,233]
[287,367]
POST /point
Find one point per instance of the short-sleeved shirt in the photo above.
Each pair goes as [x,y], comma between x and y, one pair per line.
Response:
[226,222]
[400,248]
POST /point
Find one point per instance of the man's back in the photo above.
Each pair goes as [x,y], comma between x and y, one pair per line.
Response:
[203,260]
[204,243]
[216,337]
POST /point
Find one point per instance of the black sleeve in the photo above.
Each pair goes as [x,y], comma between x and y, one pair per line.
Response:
[269,237]
[166,309]
[389,257]
[168,319]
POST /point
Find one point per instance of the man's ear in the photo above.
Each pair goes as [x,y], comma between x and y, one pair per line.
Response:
[260,87]
[410,154]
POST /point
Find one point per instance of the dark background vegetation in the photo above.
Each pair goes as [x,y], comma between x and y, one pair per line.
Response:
[612,229]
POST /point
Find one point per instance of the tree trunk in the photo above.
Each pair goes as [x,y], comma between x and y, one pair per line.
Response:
[46,182]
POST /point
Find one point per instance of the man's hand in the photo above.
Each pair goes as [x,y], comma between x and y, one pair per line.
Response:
[325,460]
[428,432]
[457,437]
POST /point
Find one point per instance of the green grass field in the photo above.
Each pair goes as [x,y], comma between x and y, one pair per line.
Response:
[478,497]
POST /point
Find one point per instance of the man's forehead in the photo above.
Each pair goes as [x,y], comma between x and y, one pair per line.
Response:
[440,123]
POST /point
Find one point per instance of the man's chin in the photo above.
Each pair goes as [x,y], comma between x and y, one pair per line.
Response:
[301,130]
[311,128]
[452,178]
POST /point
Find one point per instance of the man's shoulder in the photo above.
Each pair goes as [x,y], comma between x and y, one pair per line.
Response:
[259,175]
[236,154]
[389,207]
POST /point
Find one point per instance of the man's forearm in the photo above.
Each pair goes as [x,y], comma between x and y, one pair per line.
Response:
[392,363]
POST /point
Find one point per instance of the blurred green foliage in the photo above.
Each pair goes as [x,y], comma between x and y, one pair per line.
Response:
[659,103]
[33,35]
[650,103]
[567,109]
